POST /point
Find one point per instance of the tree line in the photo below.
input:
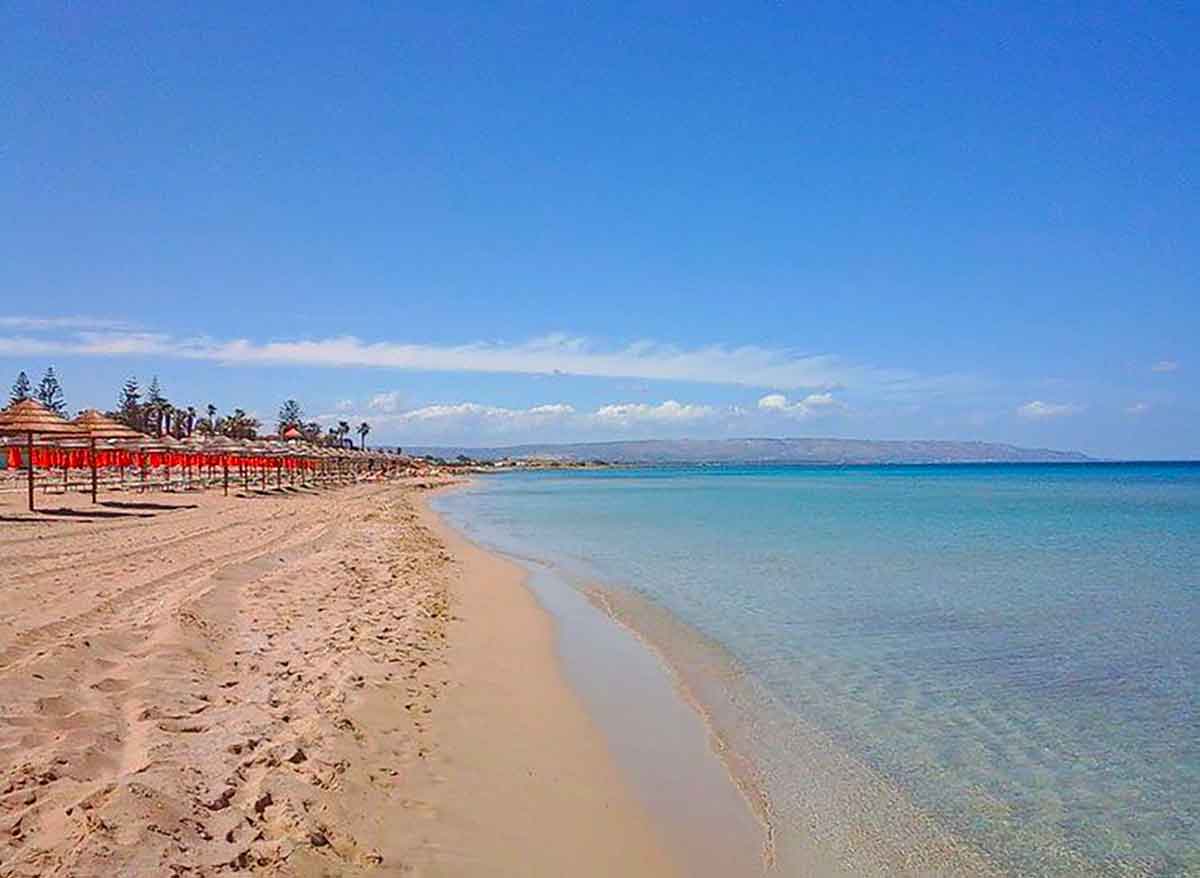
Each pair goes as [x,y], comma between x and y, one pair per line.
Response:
[150,411]
[48,392]
[291,417]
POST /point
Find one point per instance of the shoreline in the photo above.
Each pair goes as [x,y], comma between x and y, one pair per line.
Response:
[741,769]
[822,810]
[302,683]
[526,785]
[343,682]
[654,740]
[829,812]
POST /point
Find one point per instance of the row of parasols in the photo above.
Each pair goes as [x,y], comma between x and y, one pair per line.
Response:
[93,441]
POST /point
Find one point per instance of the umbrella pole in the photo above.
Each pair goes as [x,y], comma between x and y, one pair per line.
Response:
[29,466]
[92,455]
[225,467]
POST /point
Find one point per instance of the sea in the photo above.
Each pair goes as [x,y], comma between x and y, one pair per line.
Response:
[923,666]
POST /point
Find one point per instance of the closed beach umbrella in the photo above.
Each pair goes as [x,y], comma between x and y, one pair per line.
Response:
[171,447]
[223,447]
[247,449]
[147,449]
[97,426]
[30,418]
[196,446]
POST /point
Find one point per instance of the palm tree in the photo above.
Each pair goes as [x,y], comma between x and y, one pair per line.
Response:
[343,430]
[363,429]
[238,425]
[206,425]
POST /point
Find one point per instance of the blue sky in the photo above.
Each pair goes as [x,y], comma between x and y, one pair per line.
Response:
[488,223]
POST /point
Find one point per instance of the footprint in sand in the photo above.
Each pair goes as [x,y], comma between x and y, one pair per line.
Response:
[57,705]
[180,726]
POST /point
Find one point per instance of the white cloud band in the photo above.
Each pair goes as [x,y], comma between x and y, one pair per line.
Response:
[746,365]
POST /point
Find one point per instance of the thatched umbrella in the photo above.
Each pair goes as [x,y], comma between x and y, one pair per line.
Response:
[98,426]
[171,446]
[248,447]
[224,447]
[194,445]
[30,418]
[146,446]
[278,451]
[312,455]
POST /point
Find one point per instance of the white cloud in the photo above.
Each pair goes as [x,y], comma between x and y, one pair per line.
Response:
[1165,366]
[747,365]
[459,410]
[553,409]
[773,402]
[385,402]
[669,412]
[344,405]
[1138,408]
[462,411]
[813,404]
[1038,410]
[473,416]
[40,324]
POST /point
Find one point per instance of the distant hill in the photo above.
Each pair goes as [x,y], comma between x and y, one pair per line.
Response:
[818,451]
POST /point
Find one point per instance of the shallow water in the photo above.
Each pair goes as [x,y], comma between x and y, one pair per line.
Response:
[1015,648]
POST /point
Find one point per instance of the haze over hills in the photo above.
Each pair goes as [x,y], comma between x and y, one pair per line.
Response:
[729,451]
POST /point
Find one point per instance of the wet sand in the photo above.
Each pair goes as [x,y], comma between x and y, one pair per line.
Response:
[664,752]
[296,684]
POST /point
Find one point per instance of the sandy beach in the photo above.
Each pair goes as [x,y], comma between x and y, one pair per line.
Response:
[307,683]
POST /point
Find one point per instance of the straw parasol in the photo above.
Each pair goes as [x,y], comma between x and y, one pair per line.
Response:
[97,426]
[223,446]
[197,444]
[146,445]
[171,446]
[249,448]
[30,418]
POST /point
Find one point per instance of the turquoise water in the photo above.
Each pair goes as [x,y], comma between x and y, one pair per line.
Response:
[1017,648]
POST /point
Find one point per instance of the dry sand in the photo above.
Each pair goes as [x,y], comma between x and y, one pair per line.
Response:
[303,684]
